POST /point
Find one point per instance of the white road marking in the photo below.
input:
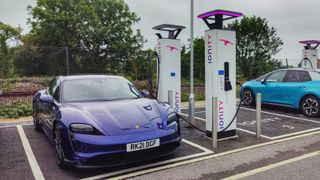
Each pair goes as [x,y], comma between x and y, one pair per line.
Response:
[15,125]
[254,133]
[194,117]
[282,115]
[176,164]
[13,121]
[133,169]
[247,131]
[31,158]
[295,133]
[197,146]
[272,166]
[274,137]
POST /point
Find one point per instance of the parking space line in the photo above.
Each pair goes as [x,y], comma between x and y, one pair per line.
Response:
[295,133]
[197,146]
[254,133]
[197,112]
[282,115]
[272,166]
[143,167]
[30,156]
[14,125]
[6,122]
[168,166]
[243,130]
[194,117]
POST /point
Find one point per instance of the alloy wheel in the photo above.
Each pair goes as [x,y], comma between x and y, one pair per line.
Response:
[58,146]
[310,106]
[247,97]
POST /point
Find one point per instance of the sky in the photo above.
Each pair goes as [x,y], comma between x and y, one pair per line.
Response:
[294,20]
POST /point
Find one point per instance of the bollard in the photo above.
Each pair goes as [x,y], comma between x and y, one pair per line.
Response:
[258,114]
[170,98]
[214,122]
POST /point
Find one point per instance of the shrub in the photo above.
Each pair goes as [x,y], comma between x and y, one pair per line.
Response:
[15,110]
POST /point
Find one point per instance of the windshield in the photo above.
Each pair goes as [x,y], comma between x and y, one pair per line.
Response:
[98,89]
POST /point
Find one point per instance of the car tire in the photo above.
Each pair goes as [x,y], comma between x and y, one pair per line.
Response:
[310,106]
[36,123]
[60,158]
[247,97]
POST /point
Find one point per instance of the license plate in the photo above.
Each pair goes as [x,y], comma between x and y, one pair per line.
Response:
[143,145]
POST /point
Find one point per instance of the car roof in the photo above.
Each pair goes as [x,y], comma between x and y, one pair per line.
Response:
[75,77]
[299,69]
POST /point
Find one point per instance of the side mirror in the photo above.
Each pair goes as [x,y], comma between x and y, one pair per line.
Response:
[263,82]
[46,98]
[145,93]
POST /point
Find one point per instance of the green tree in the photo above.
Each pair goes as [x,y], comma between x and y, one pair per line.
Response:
[98,33]
[9,37]
[199,60]
[257,43]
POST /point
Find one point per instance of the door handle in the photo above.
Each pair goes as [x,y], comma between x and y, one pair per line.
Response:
[301,86]
[277,86]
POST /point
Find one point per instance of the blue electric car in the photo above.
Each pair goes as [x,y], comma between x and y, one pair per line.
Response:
[101,121]
[293,87]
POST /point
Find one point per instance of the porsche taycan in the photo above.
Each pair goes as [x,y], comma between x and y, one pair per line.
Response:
[103,121]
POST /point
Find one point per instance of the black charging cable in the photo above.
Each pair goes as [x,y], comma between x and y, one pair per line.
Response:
[233,119]
[194,126]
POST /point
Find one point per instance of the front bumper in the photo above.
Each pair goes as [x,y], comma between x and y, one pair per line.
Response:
[107,151]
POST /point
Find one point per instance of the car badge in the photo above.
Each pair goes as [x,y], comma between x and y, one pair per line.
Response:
[148,108]
[137,126]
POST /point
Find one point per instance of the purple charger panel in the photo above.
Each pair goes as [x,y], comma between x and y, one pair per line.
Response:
[219,12]
[310,42]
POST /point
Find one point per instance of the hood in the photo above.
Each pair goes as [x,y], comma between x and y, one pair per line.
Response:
[121,116]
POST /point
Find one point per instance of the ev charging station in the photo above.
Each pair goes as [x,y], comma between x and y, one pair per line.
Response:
[169,64]
[309,54]
[220,72]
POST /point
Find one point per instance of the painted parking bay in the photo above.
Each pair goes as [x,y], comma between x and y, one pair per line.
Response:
[275,124]
[27,154]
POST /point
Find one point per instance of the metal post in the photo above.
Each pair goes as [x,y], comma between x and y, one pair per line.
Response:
[170,98]
[214,122]
[258,114]
[67,60]
[191,95]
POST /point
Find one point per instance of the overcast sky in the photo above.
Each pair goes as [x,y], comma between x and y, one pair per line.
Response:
[294,20]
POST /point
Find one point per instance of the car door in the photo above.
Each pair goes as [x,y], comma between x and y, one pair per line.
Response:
[271,89]
[294,85]
[49,109]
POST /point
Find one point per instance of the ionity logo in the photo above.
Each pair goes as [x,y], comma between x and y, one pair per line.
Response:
[172,48]
[226,42]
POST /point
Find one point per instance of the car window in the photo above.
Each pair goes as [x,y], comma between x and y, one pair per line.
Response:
[262,77]
[52,86]
[56,94]
[276,76]
[315,76]
[298,76]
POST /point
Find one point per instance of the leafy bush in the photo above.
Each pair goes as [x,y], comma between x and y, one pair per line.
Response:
[16,110]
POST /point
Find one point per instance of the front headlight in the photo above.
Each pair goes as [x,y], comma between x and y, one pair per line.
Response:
[84,129]
[172,116]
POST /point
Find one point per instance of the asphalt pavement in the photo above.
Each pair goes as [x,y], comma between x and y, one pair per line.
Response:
[288,149]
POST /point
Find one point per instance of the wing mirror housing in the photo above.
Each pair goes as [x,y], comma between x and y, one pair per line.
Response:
[46,98]
[145,93]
